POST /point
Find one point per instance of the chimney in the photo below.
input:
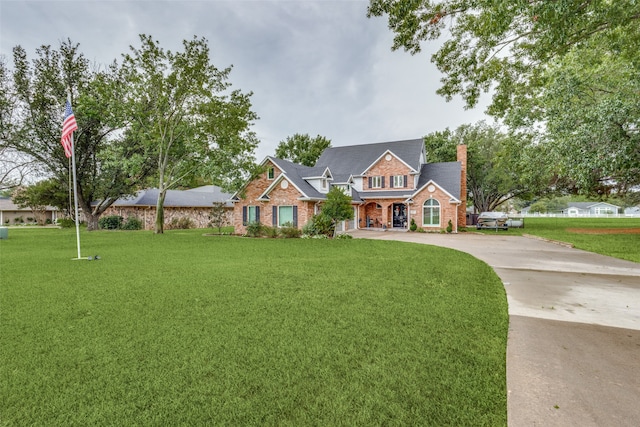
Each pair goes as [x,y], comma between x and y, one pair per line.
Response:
[462,209]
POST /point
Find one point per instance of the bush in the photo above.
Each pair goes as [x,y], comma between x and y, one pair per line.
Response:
[65,222]
[183,223]
[449,227]
[290,232]
[344,236]
[132,223]
[319,224]
[272,232]
[413,226]
[111,222]
[255,229]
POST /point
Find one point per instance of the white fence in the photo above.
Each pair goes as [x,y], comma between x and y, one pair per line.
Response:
[565,215]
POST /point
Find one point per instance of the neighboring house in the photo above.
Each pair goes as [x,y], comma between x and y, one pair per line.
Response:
[12,214]
[195,204]
[590,209]
[389,183]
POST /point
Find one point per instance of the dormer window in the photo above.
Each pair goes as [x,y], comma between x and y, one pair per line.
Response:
[324,184]
[271,173]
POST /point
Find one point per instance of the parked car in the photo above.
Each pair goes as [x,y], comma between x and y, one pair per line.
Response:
[492,220]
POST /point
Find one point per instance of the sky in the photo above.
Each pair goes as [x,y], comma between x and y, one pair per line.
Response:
[317,67]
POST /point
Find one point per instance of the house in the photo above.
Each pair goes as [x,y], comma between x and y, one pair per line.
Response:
[590,209]
[194,204]
[12,214]
[390,184]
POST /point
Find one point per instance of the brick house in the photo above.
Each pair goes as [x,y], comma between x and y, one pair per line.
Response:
[195,204]
[389,183]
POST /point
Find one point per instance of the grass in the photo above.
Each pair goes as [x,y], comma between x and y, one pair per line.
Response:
[183,329]
[620,245]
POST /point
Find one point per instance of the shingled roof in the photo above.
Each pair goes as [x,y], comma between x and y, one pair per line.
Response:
[446,175]
[195,198]
[355,159]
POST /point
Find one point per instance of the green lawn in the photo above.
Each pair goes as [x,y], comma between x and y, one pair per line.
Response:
[183,329]
[620,245]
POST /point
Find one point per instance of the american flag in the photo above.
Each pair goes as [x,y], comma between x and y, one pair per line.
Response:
[68,126]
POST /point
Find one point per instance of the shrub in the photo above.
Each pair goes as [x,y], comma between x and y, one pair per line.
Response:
[255,229]
[111,222]
[449,227]
[65,222]
[18,220]
[132,223]
[413,226]
[272,232]
[290,232]
[344,236]
[319,224]
[183,223]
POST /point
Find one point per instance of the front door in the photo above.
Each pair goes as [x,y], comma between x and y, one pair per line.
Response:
[399,215]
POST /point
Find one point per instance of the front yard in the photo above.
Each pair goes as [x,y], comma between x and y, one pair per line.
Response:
[183,329]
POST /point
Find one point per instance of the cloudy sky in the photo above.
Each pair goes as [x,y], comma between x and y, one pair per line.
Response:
[316,67]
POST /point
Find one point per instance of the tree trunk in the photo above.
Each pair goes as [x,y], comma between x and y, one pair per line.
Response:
[92,220]
[160,212]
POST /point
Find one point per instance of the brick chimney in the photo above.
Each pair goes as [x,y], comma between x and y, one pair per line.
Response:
[462,209]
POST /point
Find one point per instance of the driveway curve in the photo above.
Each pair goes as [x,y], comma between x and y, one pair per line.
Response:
[573,350]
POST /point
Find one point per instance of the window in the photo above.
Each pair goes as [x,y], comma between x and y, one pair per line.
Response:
[376,182]
[431,213]
[271,173]
[284,216]
[250,214]
[398,181]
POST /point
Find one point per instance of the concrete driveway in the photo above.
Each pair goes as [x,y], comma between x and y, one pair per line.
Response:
[573,352]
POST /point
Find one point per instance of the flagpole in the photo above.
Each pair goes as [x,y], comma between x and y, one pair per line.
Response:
[75,187]
[75,194]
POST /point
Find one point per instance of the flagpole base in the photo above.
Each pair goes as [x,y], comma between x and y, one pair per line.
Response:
[88,258]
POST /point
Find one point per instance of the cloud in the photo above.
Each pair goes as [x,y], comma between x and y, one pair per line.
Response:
[317,67]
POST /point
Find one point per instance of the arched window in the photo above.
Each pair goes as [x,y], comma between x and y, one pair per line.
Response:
[431,213]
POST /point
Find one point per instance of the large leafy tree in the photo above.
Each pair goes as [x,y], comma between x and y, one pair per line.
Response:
[302,149]
[104,159]
[185,115]
[592,113]
[500,166]
[504,46]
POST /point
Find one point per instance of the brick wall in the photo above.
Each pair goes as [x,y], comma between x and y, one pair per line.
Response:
[199,216]
[280,195]
[388,168]
[462,158]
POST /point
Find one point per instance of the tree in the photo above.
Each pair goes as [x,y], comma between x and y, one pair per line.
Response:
[498,165]
[504,46]
[302,149]
[108,164]
[183,114]
[337,207]
[592,113]
[219,216]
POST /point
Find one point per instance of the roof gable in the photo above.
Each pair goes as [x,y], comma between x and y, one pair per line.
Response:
[356,159]
[446,175]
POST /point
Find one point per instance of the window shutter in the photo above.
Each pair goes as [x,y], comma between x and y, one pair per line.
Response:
[244,215]
[295,216]
[258,214]
[370,183]
[406,180]
[274,215]
[391,181]
[383,182]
